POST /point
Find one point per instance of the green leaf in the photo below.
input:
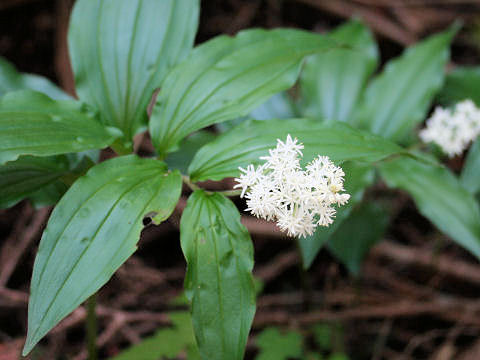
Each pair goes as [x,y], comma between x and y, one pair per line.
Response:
[219,283]
[397,100]
[274,345]
[331,83]
[226,78]
[42,179]
[181,159]
[166,343]
[470,177]
[33,124]
[323,336]
[362,229]
[79,163]
[279,106]
[357,178]
[460,84]
[23,177]
[121,51]
[48,195]
[245,143]
[440,197]
[91,232]
[12,80]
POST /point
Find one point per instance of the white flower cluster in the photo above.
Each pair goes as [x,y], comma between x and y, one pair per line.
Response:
[453,130]
[297,199]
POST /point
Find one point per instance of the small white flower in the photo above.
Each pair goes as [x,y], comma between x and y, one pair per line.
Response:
[249,178]
[299,200]
[453,130]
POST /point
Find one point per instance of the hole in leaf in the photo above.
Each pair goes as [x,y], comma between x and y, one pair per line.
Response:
[148,218]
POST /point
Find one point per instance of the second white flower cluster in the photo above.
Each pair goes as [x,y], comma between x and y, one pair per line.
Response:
[453,130]
[299,200]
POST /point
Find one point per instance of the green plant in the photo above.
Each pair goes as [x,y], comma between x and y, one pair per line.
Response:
[337,86]
[129,50]
[274,343]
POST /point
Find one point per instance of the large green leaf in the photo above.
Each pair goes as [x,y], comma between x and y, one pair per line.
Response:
[245,143]
[43,180]
[331,83]
[219,282]
[362,229]
[33,124]
[23,177]
[357,177]
[460,84]
[121,51]
[91,232]
[440,197]
[227,77]
[470,176]
[398,99]
[12,80]
[165,343]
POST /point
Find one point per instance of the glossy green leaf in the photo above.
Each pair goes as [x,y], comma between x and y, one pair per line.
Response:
[357,177]
[245,143]
[460,84]
[219,283]
[274,345]
[362,229]
[331,83]
[166,343]
[33,124]
[121,51]
[470,177]
[12,80]
[28,174]
[440,197]
[226,78]
[398,99]
[92,231]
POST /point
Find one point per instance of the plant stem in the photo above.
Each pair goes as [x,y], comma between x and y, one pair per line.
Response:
[190,184]
[92,328]
[193,187]
[230,193]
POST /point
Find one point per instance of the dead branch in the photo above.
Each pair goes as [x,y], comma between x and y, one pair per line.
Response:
[419,257]
[19,240]
[375,18]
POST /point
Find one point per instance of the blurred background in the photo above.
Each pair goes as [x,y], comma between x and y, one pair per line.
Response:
[416,296]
